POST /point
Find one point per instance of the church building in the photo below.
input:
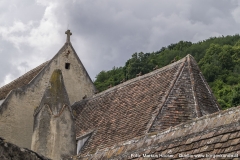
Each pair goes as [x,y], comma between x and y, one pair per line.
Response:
[20,97]
[54,112]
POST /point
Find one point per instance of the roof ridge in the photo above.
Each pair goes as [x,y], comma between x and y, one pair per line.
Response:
[191,62]
[131,81]
[188,83]
[167,95]
[198,111]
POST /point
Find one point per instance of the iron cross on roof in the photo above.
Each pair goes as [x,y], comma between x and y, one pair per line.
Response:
[68,35]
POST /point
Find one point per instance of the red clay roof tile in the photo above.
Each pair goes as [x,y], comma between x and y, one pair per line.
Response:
[163,98]
[208,146]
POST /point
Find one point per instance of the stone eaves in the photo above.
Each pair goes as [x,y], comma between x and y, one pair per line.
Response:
[217,134]
[153,102]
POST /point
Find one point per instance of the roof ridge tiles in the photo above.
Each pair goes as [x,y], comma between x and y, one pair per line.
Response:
[198,111]
[186,99]
[128,110]
[159,108]
[124,84]
[192,64]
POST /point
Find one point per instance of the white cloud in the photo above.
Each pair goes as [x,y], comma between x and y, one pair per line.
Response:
[42,36]
[236,14]
[106,33]
[38,36]
[7,79]
[33,39]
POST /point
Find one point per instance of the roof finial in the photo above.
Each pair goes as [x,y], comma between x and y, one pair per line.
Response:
[68,35]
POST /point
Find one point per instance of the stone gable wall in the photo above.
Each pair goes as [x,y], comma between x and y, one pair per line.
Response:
[16,112]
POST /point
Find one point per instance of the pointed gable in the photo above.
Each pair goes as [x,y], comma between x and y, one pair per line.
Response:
[202,92]
[155,101]
[18,107]
[55,94]
[31,75]
[54,130]
[189,97]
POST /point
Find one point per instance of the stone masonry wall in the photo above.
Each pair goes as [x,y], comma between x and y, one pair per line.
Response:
[54,131]
[16,112]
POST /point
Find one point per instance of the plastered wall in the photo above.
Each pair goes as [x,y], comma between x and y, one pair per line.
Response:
[16,112]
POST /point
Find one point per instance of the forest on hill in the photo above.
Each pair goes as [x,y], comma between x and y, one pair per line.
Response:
[217,57]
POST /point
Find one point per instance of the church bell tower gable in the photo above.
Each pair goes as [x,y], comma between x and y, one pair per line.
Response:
[77,81]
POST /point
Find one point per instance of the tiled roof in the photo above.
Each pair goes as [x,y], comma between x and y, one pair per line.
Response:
[21,81]
[212,135]
[165,97]
[11,151]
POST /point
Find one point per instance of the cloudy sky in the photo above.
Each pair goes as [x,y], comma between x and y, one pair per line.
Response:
[105,32]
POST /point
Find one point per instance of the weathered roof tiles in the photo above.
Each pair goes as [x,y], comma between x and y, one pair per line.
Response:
[153,102]
[211,136]
[21,81]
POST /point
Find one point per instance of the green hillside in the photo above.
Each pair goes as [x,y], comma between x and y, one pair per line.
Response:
[217,57]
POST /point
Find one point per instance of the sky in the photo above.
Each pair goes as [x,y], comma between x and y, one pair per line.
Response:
[105,33]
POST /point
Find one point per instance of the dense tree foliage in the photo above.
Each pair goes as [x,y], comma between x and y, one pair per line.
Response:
[218,59]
